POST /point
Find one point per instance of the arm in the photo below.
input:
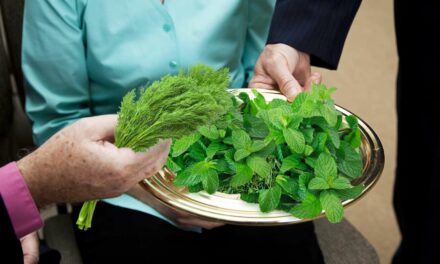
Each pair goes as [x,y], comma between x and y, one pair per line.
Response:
[54,65]
[316,27]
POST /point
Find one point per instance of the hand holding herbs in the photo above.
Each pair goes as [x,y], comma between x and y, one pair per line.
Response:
[173,107]
[299,157]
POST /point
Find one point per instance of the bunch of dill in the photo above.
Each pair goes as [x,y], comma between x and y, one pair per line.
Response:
[173,107]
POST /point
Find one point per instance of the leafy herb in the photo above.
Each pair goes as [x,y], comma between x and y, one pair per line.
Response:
[175,107]
[298,157]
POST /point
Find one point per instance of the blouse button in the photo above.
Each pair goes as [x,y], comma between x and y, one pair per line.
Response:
[166,27]
[173,64]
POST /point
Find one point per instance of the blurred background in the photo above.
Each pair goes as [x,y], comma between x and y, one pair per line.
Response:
[366,85]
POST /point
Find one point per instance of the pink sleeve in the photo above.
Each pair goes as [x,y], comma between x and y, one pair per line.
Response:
[21,208]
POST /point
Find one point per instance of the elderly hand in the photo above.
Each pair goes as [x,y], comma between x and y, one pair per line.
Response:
[285,68]
[80,163]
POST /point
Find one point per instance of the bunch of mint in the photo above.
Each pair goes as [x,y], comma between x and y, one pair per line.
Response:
[299,157]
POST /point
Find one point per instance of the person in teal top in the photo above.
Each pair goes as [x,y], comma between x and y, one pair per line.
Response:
[80,57]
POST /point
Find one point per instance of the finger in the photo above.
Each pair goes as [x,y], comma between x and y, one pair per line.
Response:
[153,159]
[287,84]
[102,127]
[315,78]
[262,82]
[30,247]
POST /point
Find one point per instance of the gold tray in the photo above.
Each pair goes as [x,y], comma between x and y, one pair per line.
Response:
[228,208]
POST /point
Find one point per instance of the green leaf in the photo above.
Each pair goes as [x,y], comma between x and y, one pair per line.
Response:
[258,145]
[241,140]
[181,145]
[269,199]
[210,181]
[213,148]
[222,165]
[311,162]
[299,100]
[295,140]
[267,150]
[229,158]
[334,137]
[347,194]
[196,188]
[255,126]
[170,164]
[278,103]
[292,162]
[241,154]
[197,151]
[187,178]
[332,205]
[341,183]
[325,167]
[259,165]
[351,165]
[289,185]
[308,134]
[310,207]
[209,131]
[354,138]
[308,150]
[352,121]
[329,114]
[303,182]
[249,197]
[259,100]
[318,184]
[242,175]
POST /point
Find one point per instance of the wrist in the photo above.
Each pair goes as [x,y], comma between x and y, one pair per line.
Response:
[28,170]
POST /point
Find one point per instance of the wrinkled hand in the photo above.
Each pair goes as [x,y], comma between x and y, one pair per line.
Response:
[80,163]
[30,246]
[182,219]
[285,68]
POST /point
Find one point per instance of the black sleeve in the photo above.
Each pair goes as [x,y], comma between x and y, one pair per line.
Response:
[10,246]
[317,27]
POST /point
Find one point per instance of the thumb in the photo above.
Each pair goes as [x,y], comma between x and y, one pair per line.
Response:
[287,84]
[154,158]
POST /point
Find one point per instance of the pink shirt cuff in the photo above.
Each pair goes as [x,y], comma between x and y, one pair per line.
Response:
[17,198]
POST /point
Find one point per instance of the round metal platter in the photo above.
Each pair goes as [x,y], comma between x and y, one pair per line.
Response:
[227,208]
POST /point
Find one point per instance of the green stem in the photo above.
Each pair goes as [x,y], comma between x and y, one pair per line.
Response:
[84,221]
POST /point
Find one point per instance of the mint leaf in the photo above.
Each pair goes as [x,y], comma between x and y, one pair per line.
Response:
[325,167]
[269,199]
[213,148]
[197,151]
[210,181]
[292,162]
[310,207]
[181,145]
[170,164]
[259,100]
[289,185]
[295,140]
[318,184]
[334,137]
[347,194]
[352,121]
[255,126]
[259,165]
[257,145]
[308,150]
[329,114]
[299,100]
[267,150]
[341,183]
[209,131]
[332,205]
[187,178]
[308,134]
[242,175]
[354,138]
[303,182]
[351,165]
[195,188]
[241,154]
[241,139]
[249,197]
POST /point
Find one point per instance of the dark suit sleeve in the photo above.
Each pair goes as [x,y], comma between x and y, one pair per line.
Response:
[317,27]
[10,246]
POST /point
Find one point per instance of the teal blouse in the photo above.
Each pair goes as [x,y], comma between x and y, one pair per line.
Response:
[80,57]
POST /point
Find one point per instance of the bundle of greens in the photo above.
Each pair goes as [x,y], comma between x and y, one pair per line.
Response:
[173,107]
[298,157]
